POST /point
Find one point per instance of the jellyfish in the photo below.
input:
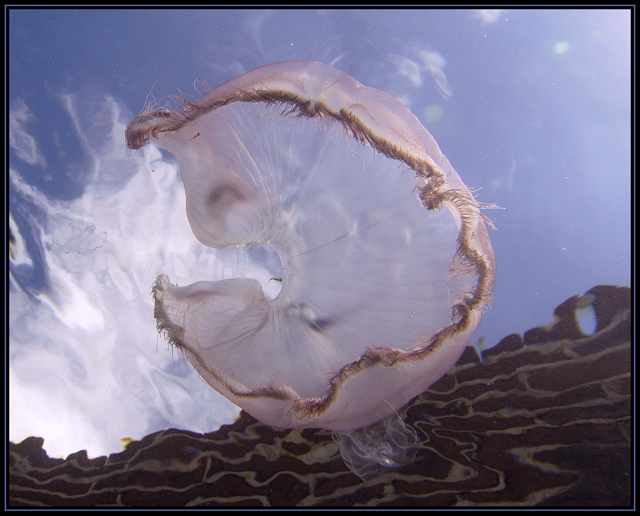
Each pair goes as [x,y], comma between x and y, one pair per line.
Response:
[435,63]
[380,251]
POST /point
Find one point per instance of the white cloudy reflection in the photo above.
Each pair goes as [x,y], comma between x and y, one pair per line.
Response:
[84,355]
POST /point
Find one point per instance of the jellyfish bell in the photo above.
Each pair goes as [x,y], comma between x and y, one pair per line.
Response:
[384,258]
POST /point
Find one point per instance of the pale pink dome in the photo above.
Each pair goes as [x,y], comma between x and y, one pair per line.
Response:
[385,262]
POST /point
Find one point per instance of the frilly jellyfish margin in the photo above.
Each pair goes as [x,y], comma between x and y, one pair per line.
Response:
[381,286]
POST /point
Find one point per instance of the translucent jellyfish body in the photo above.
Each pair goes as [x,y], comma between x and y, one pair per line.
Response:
[385,264]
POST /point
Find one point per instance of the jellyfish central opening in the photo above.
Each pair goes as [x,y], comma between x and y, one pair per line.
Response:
[269,270]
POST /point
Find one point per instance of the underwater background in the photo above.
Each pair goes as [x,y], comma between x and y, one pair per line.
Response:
[531,107]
